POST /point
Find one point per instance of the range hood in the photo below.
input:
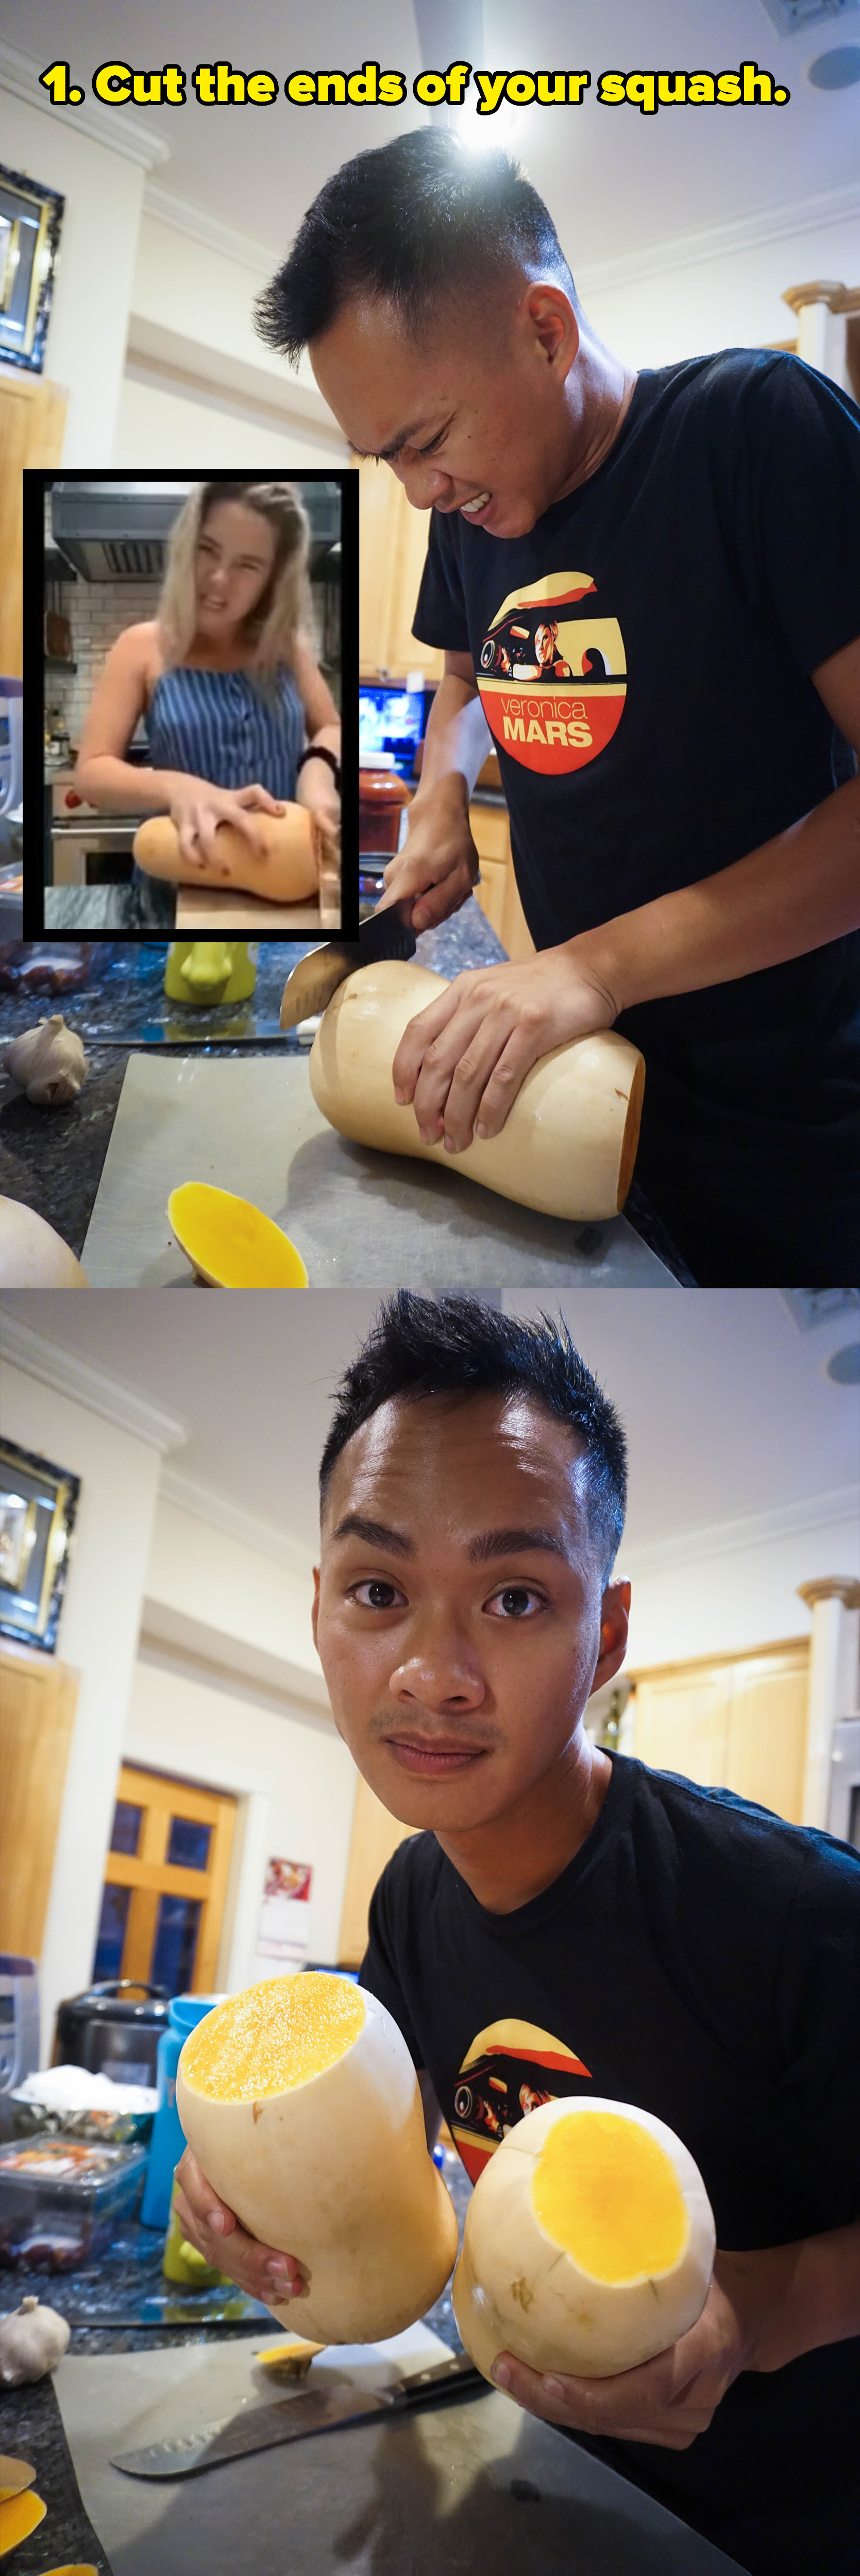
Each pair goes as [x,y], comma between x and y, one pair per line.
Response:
[119,531]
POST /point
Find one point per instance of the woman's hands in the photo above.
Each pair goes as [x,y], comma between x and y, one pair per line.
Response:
[197,810]
[463,1060]
[207,2223]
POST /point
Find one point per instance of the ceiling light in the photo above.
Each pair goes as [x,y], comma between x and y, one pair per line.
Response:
[811,1306]
[790,17]
[836,70]
[844,1366]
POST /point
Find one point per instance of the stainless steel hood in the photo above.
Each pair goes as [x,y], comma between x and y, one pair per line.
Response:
[119,531]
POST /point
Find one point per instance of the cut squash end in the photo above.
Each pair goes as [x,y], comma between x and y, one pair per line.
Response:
[229,1242]
[20,2515]
[605,2191]
[272,2037]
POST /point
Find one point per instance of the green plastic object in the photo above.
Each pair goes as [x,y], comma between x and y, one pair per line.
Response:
[210,970]
[182,2261]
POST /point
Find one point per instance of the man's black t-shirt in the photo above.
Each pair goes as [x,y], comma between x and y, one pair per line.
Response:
[701,1959]
[644,659]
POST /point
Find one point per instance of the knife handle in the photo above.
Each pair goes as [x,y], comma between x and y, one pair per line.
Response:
[441,2379]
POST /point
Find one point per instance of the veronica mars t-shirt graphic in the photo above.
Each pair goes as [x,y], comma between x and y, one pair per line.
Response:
[552,675]
[509,2070]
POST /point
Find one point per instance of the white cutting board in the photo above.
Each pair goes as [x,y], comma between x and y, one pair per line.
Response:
[359,1219]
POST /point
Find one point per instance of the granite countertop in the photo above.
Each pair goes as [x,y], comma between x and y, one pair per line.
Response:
[31,2426]
[52,1159]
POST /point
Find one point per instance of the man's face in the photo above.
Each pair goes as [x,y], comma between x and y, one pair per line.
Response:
[474,412]
[459,1614]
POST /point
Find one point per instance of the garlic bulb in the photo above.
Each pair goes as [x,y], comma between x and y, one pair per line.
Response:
[49,1062]
[32,2341]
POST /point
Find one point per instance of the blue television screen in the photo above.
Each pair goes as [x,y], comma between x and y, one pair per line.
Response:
[390,720]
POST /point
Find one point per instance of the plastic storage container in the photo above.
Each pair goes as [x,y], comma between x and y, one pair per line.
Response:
[168,2136]
[61,2201]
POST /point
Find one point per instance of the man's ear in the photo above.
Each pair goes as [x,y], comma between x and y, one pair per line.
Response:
[614,1616]
[315,1611]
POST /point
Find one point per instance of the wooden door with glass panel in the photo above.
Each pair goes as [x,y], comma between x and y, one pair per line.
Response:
[165,1883]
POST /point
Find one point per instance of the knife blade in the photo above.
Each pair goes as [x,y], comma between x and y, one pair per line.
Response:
[387,932]
[290,2419]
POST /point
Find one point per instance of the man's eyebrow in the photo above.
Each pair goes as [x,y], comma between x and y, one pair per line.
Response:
[384,455]
[514,1542]
[375,1534]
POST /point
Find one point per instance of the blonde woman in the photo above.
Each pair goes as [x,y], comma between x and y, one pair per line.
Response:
[240,719]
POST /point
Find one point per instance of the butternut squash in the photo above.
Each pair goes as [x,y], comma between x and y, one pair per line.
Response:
[300,2101]
[229,1242]
[286,867]
[569,1144]
[588,2245]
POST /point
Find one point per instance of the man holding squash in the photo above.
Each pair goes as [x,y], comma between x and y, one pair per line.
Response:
[579,1924]
[649,587]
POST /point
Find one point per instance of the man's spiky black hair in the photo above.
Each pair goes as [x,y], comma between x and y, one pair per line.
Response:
[420,222]
[461,1347]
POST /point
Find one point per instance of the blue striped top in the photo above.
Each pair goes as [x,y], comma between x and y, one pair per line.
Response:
[217,725]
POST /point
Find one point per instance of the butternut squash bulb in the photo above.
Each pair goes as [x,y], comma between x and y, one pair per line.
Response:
[230,1243]
[300,2102]
[31,1254]
[285,865]
[569,1144]
[588,2245]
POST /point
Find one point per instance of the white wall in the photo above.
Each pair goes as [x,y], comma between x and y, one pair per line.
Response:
[157,425]
[206,1590]
[710,1603]
[89,315]
[731,300]
[97,1637]
[287,1765]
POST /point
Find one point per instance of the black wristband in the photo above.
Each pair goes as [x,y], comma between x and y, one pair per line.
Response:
[320,751]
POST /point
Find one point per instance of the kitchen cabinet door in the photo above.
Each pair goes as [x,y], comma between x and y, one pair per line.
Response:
[497,893]
[37,1713]
[731,1722]
[393,545]
[32,420]
[682,1724]
[375,1835]
[767,1730]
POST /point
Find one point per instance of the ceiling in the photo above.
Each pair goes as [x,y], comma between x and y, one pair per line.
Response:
[613,179]
[727,1408]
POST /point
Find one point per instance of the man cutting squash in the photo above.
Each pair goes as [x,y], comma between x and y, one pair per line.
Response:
[649,588]
[565,1923]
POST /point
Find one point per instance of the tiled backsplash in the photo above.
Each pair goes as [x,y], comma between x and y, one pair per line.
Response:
[98,611]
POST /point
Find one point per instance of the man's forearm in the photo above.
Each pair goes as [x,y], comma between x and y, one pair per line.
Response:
[456,741]
[801,2295]
[793,894]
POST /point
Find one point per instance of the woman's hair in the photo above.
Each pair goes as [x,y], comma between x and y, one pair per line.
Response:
[283,610]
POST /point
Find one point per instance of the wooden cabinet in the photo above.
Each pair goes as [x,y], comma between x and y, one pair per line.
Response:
[37,1711]
[32,420]
[375,1835]
[731,1722]
[393,546]
[497,893]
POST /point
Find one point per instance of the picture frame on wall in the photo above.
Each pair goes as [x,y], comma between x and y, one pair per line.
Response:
[38,1502]
[30,221]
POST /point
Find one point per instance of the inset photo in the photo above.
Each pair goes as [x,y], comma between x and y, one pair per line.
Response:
[189,669]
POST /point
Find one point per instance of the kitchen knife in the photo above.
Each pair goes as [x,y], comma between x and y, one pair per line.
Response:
[309,2410]
[387,932]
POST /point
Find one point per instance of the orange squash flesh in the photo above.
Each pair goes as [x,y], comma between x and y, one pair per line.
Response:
[18,2517]
[229,1242]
